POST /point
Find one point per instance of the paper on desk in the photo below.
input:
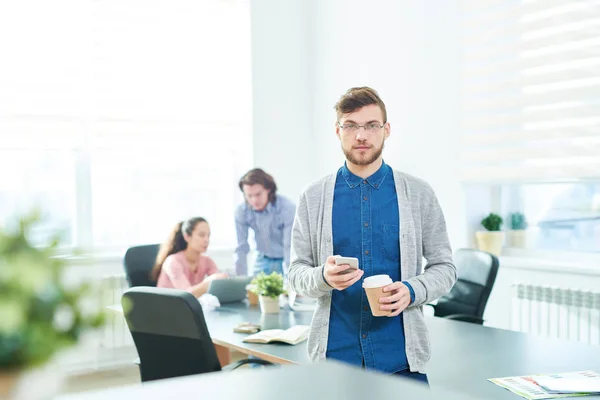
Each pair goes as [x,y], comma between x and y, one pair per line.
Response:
[209,302]
[575,384]
[528,386]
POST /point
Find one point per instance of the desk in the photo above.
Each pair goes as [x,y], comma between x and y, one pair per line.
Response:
[222,321]
[464,355]
[329,381]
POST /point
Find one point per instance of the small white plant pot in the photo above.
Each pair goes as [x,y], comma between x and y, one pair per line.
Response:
[269,305]
[517,238]
[490,241]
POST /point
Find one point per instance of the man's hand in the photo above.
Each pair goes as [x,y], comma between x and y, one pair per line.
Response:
[338,281]
[399,299]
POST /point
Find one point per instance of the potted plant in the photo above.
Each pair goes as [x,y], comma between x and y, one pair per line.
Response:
[492,238]
[39,314]
[268,288]
[517,235]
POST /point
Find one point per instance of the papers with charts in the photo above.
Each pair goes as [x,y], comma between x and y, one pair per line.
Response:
[552,386]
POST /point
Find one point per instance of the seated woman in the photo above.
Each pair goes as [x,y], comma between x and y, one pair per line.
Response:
[180,263]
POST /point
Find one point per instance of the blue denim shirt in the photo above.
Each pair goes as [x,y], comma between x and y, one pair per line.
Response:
[366,224]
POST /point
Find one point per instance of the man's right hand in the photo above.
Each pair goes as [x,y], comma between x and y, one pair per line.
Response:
[338,281]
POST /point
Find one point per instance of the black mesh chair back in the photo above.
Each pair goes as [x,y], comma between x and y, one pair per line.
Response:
[138,263]
[476,272]
[169,332]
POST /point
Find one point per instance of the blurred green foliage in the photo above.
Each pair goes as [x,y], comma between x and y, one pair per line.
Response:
[39,313]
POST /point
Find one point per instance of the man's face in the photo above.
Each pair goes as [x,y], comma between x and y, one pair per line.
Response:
[256,195]
[363,146]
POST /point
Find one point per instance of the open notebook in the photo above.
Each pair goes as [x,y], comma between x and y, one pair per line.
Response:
[294,335]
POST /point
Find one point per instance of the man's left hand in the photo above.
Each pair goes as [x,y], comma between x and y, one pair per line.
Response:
[397,301]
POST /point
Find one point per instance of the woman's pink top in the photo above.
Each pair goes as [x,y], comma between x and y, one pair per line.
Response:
[176,272]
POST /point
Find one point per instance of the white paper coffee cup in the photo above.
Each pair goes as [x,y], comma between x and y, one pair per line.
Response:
[376,281]
[373,286]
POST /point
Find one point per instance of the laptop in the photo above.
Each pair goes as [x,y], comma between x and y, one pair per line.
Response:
[229,290]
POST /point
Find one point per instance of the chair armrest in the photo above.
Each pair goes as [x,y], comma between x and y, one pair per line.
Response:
[465,318]
[235,365]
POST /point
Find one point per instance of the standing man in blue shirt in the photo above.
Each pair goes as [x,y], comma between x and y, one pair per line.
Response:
[270,216]
[390,221]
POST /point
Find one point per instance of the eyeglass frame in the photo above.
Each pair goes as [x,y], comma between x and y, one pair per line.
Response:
[361,126]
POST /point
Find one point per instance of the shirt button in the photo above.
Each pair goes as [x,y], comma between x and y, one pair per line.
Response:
[366,224]
[325,323]
[365,181]
[367,252]
[364,336]
[365,198]
[366,308]
[376,185]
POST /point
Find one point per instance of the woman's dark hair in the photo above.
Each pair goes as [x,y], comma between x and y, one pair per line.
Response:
[257,176]
[175,243]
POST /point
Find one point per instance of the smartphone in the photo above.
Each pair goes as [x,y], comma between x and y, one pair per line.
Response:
[351,261]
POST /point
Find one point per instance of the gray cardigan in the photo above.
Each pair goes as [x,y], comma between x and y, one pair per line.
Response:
[422,235]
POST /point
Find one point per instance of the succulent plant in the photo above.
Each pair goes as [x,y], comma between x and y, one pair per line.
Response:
[493,222]
[518,221]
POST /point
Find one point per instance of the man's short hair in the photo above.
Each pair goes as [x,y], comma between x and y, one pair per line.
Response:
[358,97]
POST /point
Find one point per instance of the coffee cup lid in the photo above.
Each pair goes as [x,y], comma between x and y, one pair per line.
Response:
[377,281]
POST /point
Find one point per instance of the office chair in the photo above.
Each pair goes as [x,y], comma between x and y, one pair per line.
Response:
[138,262]
[170,334]
[468,297]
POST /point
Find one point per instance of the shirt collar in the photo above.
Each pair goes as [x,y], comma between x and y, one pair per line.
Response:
[268,209]
[374,180]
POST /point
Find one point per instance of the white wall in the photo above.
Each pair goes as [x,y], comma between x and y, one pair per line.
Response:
[409,52]
[282,112]
[306,53]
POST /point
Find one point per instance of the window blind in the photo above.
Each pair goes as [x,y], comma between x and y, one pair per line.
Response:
[531,83]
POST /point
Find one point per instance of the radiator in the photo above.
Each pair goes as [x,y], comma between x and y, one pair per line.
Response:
[116,333]
[570,314]
[110,347]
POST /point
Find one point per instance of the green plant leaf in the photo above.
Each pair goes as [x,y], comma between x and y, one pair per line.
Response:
[33,294]
[268,285]
[493,222]
[518,221]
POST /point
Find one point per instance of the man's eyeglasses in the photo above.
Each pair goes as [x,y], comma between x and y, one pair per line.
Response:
[372,127]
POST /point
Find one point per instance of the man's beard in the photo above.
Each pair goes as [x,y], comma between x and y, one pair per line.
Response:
[364,161]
